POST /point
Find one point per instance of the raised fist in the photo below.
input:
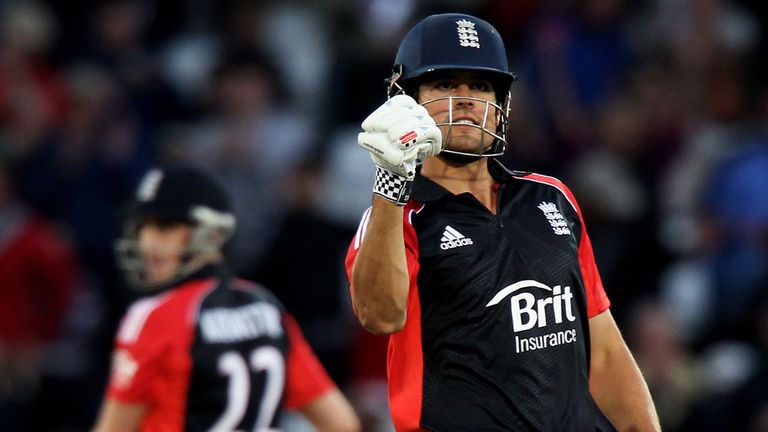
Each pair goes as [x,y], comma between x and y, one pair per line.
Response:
[398,134]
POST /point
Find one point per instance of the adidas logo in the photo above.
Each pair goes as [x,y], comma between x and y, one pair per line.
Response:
[453,239]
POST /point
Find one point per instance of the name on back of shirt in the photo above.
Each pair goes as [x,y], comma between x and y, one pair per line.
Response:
[227,325]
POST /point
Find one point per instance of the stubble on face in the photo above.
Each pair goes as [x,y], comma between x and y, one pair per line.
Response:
[459,109]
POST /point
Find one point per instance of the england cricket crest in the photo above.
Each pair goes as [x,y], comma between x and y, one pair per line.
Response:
[467,34]
[555,218]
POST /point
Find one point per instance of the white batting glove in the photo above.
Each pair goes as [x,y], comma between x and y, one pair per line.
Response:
[398,134]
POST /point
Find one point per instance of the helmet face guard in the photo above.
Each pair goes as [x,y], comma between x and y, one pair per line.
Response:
[492,148]
[457,42]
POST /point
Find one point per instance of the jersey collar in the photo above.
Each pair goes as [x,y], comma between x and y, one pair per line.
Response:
[425,189]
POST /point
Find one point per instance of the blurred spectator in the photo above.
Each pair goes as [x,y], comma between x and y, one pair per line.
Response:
[83,172]
[698,32]
[252,141]
[614,184]
[40,276]
[736,216]
[734,392]
[304,268]
[300,56]
[79,176]
[727,368]
[119,44]
[366,38]
[578,56]
[718,130]
[343,183]
[667,366]
[750,401]
[529,147]
[512,19]
[32,96]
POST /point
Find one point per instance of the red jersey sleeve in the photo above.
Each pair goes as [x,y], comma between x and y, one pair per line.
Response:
[597,299]
[306,378]
[409,237]
[137,356]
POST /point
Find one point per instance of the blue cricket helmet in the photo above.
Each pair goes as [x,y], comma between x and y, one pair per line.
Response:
[176,194]
[453,41]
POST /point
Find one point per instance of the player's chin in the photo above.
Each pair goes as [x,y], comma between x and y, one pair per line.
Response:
[466,144]
[159,272]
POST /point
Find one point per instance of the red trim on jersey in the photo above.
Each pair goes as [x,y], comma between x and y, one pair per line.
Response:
[152,362]
[597,299]
[557,184]
[405,360]
[306,378]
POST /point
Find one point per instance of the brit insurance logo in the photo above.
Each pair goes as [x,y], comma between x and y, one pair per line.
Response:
[468,37]
[529,312]
[453,239]
[555,218]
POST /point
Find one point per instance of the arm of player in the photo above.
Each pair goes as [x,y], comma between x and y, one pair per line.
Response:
[117,416]
[379,276]
[397,134]
[615,380]
[332,412]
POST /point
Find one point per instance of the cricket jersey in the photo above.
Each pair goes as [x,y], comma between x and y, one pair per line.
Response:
[213,353]
[497,331]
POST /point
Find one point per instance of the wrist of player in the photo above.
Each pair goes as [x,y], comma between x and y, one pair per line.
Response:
[392,185]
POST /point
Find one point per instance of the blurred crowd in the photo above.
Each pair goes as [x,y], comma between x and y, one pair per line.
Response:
[654,112]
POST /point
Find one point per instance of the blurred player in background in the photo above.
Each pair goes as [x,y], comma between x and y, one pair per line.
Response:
[205,351]
[484,277]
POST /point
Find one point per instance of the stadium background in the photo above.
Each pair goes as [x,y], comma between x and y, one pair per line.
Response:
[655,112]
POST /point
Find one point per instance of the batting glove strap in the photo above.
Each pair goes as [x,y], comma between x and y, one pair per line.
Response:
[392,187]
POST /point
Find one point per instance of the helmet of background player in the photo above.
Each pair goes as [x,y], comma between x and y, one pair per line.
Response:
[448,42]
[176,194]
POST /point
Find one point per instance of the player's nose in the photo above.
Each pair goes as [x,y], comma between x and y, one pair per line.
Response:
[462,91]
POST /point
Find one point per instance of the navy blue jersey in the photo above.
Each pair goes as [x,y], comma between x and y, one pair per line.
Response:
[497,332]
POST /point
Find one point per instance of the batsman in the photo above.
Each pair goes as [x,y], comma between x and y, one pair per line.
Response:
[483,277]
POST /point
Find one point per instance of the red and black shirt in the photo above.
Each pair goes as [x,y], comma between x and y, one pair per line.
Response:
[213,353]
[497,333]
